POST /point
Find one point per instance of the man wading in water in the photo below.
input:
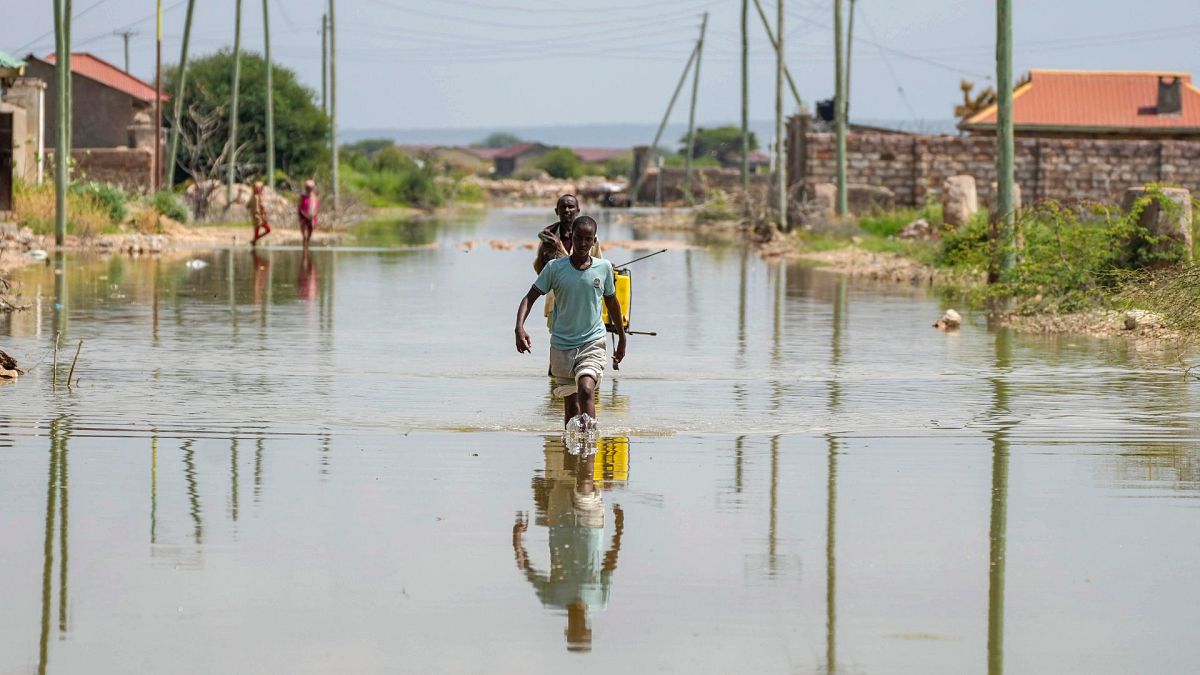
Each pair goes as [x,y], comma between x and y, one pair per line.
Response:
[577,345]
[555,242]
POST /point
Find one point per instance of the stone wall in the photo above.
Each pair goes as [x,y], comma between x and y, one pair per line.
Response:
[131,168]
[1066,170]
[703,181]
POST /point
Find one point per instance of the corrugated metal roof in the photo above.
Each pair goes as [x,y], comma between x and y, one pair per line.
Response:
[9,61]
[93,68]
[1097,100]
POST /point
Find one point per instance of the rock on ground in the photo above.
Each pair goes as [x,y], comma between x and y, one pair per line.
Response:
[960,200]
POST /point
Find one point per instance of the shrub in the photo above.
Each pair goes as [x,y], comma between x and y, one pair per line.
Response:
[87,216]
[618,167]
[170,205]
[718,208]
[111,197]
[561,163]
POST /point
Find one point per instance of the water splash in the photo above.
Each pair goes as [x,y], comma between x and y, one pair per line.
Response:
[580,435]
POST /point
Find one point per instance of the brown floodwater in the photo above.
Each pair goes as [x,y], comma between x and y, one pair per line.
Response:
[339,463]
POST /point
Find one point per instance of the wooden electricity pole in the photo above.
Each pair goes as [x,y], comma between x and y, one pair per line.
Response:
[325,63]
[125,35]
[270,98]
[62,77]
[745,102]
[1004,218]
[780,169]
[233,102]
[839,113]
[156,181]
[337,190]
[180,89]
[691,133]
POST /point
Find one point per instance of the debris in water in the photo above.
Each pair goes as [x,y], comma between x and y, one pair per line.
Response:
[196,264]
[949,321]
[8,367]
[37,254]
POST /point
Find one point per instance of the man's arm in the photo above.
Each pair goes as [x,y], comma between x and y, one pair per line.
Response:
[523,342]
[614,314]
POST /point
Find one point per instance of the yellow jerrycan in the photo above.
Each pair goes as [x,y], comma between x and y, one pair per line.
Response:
[624,286]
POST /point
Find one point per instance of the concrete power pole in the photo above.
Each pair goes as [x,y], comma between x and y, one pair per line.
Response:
[775,45]
[325,63]
[849,54]
[337,190]
[125,35]
[691,149]
[637,181]
[839,113]
[1004,217]
[745,103]
[62,78]
[156,182]
[180,93]
[780,169]
[233,103]
[270,98]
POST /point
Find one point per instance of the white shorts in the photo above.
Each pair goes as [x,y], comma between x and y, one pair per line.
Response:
[568,365]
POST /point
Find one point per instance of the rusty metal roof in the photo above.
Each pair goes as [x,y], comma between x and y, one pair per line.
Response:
[1103,101]
[93,68]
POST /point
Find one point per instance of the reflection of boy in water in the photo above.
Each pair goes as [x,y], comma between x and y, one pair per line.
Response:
[580,574]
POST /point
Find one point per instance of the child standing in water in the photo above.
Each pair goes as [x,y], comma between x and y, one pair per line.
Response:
[308,211]
[258,213]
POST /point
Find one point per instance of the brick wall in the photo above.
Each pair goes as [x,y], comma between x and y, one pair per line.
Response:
[131,168]
[1067,170]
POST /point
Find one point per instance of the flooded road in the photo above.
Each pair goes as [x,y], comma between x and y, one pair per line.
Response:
[273,463]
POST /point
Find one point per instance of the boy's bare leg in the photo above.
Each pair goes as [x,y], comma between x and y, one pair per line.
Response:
[570,408]
[587,395]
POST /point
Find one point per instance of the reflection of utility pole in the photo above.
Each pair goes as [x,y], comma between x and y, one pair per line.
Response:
[233,477]
[48,546]
[125,35]
[193,489]
[831,557]
[774,520]
[154,489]
[691,132]
[63,512]
[999,518]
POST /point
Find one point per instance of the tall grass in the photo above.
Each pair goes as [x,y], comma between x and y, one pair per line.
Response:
[88,215]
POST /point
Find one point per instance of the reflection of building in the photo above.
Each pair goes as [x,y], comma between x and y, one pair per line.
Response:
[570,504]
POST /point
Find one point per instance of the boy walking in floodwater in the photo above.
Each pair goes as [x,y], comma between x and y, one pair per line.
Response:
[577,346]
[258,212]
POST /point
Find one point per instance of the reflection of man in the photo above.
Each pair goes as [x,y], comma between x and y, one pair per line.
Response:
[571,505]
[306,282]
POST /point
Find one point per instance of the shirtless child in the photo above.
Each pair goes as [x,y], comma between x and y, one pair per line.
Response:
[577,346]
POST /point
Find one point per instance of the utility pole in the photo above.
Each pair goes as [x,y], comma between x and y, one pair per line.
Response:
[324,63]
[780,169]
[745,103]
[70,96]
[233,110]
[156,181]
[337,191]
[839,113]
[125,35]
[637,183]
[270,99]
[1004,218]
[180,93]
[775,45]
[691,134]
[62,76]
[849,54]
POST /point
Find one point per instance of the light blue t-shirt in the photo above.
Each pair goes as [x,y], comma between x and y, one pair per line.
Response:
[577,298]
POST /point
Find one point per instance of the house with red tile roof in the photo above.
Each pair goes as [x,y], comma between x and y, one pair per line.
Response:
[106,99]
[518,156]
[1100,104]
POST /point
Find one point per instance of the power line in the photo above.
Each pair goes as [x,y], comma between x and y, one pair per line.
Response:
[51,31]
[895,78]
[675,14]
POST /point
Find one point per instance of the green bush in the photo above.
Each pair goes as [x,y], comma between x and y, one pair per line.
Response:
[170,205]
[718,208]
[110,197]
[561,163]
[618,167]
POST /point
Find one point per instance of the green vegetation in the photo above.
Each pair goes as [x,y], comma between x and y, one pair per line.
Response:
[170,205]
[88,214]
[382,175]
[718,208]
[300,125]
[889,224]
[111,197]
[497,139]
[720,144]
[561,163]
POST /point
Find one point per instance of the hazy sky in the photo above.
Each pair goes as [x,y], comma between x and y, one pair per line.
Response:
[512,63]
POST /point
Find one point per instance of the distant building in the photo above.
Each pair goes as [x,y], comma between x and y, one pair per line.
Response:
[516,157]
[597,155]
[1091,104]
[758,160]
[106,101]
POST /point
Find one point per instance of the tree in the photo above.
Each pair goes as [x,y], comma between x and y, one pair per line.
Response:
[561,163]
[300,126]
[497,139]
[722,143]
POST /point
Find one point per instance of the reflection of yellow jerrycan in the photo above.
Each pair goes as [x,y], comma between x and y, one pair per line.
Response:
[624,285]
[612,459]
